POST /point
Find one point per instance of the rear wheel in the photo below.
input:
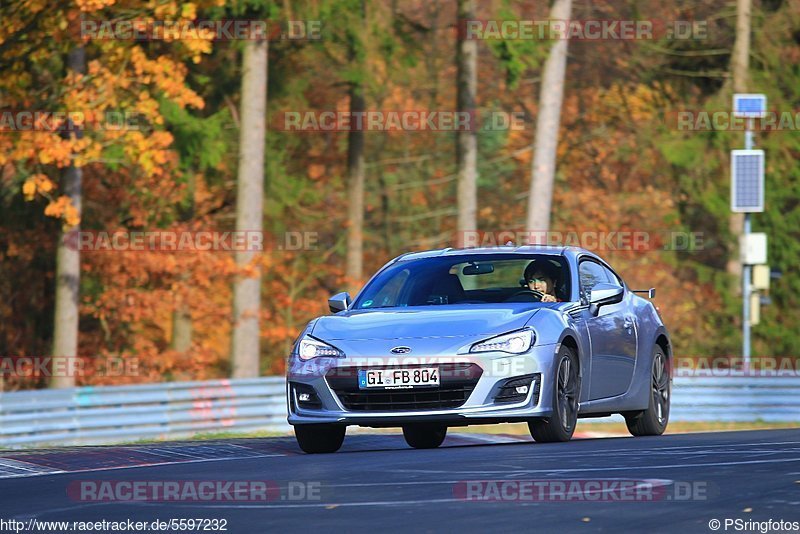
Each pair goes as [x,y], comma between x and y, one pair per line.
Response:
[424,435]
[561,425]
[319,438]
[653,421]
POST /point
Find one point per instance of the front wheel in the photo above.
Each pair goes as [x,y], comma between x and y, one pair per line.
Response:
[424,436]
[315,439]
[653,421]
[561,425]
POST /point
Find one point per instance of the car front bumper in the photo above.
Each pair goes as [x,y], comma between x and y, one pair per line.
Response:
[322,382]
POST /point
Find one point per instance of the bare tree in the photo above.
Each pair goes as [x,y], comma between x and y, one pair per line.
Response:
[467,142]
[548,121]
[68,263]
[740,63]
[354,266]
[245,342]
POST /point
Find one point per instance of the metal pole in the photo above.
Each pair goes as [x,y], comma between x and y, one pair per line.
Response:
[746,303]
[746,269]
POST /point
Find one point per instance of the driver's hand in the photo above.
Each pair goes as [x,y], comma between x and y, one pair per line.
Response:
[548,298]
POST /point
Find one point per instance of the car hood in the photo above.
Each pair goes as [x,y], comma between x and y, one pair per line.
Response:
[467,320]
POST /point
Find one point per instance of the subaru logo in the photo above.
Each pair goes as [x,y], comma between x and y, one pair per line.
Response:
[400,350]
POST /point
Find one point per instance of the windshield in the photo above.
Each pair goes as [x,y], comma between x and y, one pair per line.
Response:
[448,280]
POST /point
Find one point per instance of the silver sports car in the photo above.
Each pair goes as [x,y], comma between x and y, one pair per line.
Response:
[443,338]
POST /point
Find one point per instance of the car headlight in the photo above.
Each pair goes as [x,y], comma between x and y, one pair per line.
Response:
[514,342]
[308,348]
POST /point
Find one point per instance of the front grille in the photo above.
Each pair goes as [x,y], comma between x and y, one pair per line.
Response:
[456,382]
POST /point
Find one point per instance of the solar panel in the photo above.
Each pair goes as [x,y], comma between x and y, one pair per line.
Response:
[749,105]
[747,181]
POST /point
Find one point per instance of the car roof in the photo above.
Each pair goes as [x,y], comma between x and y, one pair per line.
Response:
[552,250]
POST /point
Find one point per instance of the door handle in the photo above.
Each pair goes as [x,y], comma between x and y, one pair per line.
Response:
[628,323]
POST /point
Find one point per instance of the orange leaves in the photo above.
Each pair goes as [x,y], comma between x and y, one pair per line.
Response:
[149,152]
[316,171]
[63,208]
[88,6]
[115,104]
[57,152]
[143,290]
[60,207]
[167,75]
[52,150]
[29,189]
[38,183]
[28,10]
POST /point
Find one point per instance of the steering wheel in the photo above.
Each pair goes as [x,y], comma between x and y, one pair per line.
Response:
[518,296]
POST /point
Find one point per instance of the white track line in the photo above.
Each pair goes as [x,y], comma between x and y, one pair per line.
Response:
[588,469]
[139,466]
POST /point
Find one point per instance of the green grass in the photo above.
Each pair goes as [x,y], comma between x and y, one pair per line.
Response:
[208,436]
[233,435]
[619,429]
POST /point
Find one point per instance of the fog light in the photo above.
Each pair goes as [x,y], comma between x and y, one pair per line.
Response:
[518,389]
[306,397]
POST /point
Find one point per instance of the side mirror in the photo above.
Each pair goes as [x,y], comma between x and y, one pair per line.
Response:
[651,293]
[604,293]
[339,302]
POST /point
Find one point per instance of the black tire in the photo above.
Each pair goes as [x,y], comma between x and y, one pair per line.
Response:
[566,392]
[315,439]
[653,421]
[424,435]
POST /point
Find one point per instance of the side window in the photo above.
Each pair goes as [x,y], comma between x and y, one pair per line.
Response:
[591,274]
[612,277]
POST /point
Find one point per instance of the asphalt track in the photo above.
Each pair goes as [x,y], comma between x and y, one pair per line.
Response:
[377,484]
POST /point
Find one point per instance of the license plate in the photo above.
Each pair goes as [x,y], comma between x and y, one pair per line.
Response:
[398,378]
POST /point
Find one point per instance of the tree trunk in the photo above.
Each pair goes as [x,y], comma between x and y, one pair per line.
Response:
[740,59]
[68,269]
[354,266]
[740,63]
[551,95]
[181,329]
[467,142]
[182,338]
[245,346]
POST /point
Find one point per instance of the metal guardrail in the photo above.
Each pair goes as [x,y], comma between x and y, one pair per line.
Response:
[736,398]
[731,398]
[113,414]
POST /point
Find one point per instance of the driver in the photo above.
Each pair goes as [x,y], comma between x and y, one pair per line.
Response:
[541,276]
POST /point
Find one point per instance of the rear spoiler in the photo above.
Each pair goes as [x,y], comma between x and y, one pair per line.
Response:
[651,293]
